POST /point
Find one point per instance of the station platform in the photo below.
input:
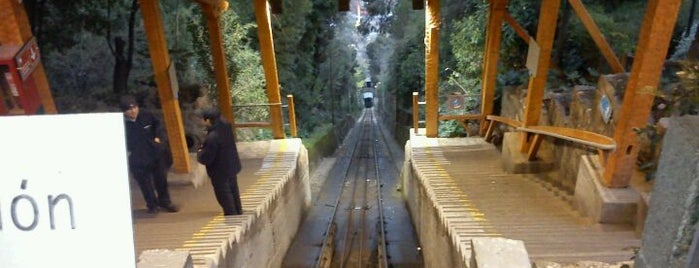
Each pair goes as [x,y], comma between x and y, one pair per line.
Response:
[457,191]
[274,192]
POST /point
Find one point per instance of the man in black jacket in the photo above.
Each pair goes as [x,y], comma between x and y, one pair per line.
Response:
[148,155]
[220,156]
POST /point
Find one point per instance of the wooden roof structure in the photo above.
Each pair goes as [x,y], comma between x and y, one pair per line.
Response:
[658,23]
[652,47]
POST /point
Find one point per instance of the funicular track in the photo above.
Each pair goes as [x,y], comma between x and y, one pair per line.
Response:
[355,235]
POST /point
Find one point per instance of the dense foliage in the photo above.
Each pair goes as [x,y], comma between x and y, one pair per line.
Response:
[95,51]
[398,56]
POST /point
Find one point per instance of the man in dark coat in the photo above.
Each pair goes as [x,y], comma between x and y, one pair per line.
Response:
[220,156]
[148,155]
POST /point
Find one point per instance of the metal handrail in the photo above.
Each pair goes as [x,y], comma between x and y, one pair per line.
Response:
[267,124]
[259,105]
[442,117]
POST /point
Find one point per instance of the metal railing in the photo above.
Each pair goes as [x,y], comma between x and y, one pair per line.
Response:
[461,118]
[266,124]
[416,112]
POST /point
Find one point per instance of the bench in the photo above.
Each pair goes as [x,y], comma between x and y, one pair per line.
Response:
[603,144]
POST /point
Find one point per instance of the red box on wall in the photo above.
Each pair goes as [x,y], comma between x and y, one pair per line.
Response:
[18,92]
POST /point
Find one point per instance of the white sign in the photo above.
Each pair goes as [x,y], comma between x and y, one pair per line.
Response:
[533,57]
[64,192]
[605,107]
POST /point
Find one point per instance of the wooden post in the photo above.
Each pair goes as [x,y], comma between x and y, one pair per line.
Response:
[531,155]
[167,84]
[15,30]
[213,16]
[491,58]
[546,29]
[292,115]
[416,112]
[432,24]
[651,51]
[269,63]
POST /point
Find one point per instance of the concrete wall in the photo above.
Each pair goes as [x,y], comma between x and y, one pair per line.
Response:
[274,208]
[673,216]
[437,247]
[271,233]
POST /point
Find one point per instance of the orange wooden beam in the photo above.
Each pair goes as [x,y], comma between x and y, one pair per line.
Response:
[15,30]
[213,16]
[602,143]
[292,116]
[534,148]
[546,29]
[432,24]
[269,63]
[461,117]
[167,84]
[416,112]
[597,36]
[651,50]
[498,9]
[521,32]
[253,124]
[493,119]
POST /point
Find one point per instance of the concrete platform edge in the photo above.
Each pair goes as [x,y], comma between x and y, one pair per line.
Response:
[273,209]
[435,227]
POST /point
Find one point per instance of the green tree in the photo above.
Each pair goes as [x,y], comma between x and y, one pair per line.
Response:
[244,67]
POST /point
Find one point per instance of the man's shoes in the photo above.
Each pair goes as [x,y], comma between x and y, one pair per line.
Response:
[170,208]
[153,210]
[233,213]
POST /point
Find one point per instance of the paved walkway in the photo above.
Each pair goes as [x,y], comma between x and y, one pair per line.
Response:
[198,206]
[477,198]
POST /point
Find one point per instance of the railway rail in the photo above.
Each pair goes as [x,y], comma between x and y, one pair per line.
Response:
[355,235]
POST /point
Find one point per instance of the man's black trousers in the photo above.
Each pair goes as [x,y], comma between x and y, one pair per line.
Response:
[152,179]
[228,195]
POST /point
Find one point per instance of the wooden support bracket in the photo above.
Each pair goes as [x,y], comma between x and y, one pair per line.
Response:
[493,119]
